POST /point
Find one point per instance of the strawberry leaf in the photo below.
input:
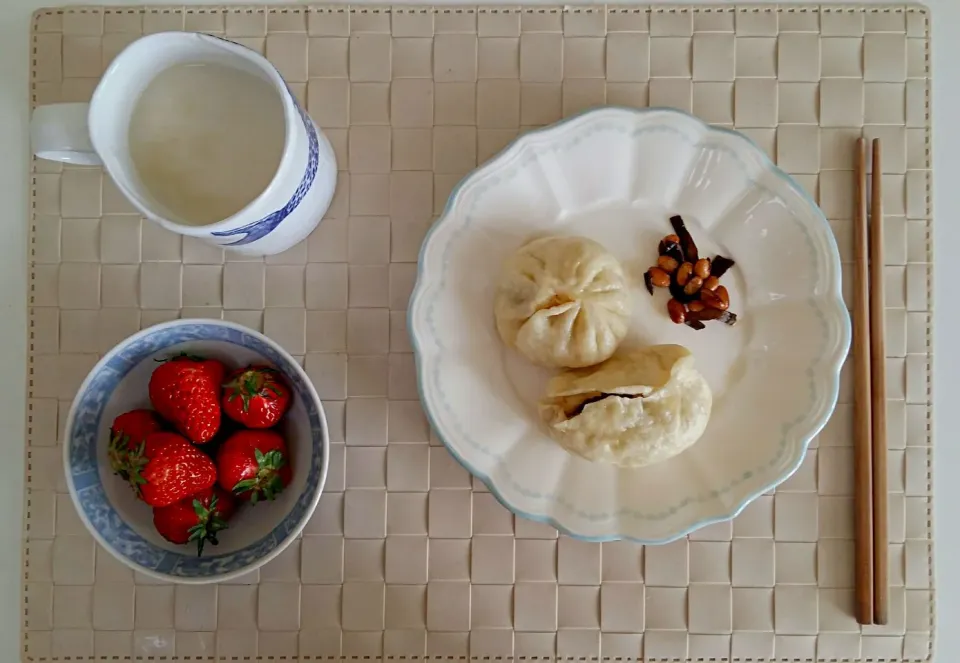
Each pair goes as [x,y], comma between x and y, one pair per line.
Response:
[273,487]
[198,533]
[273,460]
[118,454]
[127,463]
[245,485]
[208,524]
[251,383]
[216,524]
[267,483]
[251,387]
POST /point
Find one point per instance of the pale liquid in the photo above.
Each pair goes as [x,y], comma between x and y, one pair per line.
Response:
[206,140]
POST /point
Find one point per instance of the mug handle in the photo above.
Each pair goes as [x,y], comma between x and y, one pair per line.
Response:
[60,132]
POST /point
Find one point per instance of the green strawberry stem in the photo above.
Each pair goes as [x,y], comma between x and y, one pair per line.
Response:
[252,383]
[209,523]
[267,482]
[127,463]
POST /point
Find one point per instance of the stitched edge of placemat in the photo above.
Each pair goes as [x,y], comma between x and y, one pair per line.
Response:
[573,9]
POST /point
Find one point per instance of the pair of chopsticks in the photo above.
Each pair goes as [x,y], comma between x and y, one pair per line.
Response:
[870,399]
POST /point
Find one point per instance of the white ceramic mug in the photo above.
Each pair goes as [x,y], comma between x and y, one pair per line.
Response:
[282,215]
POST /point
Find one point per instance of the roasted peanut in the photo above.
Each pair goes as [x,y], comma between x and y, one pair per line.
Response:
[672,238]
[711,283]
[695,306]
[683,273]
[676,311]
[702,268]
[658,277]
[711,299]
[693,285]
[667,264]
[724,296]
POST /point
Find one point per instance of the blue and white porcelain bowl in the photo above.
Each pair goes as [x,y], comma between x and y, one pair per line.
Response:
[121,523]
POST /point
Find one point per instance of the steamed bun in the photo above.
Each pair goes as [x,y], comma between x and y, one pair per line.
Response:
[562,302]
[636,409]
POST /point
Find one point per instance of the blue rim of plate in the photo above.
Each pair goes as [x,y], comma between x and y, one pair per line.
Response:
[83,473]
[817,425]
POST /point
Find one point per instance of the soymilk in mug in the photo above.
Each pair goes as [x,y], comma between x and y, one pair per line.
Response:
[204,137]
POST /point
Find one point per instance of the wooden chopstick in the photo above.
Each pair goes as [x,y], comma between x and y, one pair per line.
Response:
[862,461]
[878,393]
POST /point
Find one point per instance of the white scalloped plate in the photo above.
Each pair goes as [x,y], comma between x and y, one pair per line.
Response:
[616,176]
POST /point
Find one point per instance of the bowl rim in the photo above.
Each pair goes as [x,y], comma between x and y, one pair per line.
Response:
[835,296]
[294,532]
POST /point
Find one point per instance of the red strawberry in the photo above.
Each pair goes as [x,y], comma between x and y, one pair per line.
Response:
[186,391]
[196,518]
[215,368]
[254,464]
[227,428]
[170,469]
[127,435]
[256,396]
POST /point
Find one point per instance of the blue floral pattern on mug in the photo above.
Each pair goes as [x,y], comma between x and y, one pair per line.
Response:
[261,228]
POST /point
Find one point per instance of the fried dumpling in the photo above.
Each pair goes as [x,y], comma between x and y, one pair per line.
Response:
[637,408]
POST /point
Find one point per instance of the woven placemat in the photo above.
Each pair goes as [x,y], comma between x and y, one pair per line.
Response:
[407,557]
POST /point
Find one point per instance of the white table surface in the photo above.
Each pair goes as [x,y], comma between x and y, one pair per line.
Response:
[14,142]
